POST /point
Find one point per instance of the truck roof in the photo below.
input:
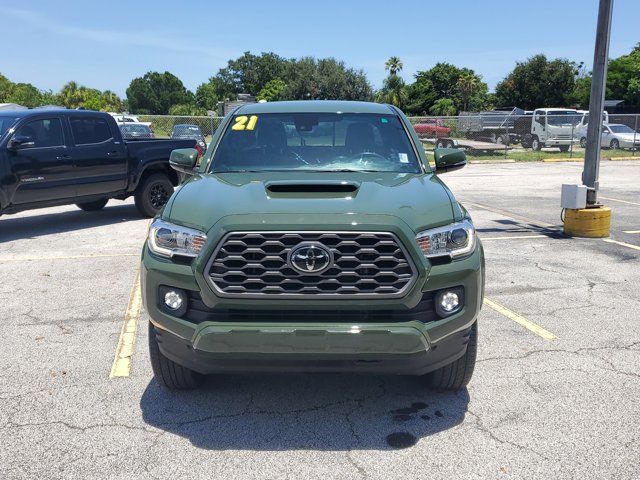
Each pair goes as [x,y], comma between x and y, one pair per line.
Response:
[48,111]
[315,106]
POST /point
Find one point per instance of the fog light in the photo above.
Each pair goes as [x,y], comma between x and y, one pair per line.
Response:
[449,301]
[173,300]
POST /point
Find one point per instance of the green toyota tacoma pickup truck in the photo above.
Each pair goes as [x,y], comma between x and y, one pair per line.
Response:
[313,236]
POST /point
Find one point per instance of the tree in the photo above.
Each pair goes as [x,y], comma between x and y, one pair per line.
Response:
[394,65]
[273,90]
[420,97]
[156,93]
[206,96]
[443,107]
[187,109]
[538,82]
[468,86]
[622,77]
[5,88]
[24,94]
[325,79]
[249,73]
[393,91]
[460,85]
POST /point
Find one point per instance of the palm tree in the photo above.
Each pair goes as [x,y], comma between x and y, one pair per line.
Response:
[394,65]
[467,87]
[70,96]
[393,91]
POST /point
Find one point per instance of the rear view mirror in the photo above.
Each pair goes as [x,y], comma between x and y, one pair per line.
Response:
[20,141]
[184,159]
[449,159]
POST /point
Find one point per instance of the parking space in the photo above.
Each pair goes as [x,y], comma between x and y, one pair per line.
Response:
[554,394]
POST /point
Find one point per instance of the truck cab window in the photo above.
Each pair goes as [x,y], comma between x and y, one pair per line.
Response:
[45,132]
[90,130]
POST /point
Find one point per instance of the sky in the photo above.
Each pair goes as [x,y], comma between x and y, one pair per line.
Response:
[106,44]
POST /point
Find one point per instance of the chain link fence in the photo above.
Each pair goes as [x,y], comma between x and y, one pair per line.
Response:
[532,136]
[539,135]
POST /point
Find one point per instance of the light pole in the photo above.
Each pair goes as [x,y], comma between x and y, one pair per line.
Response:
[583,215]
[596,101]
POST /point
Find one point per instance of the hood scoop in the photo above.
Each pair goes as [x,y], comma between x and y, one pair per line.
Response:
[335,188]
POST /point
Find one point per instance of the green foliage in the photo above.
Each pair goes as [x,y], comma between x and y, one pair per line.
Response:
[538,83]
[393,91]
[156,92]
[394,65]
[443,107]
[462,86]
[622,77]
[273,91]
[325,79]
[187,109]
[206,96]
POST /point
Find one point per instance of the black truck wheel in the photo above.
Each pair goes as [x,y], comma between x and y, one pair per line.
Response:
[153,193]
[168,373]
[93,206]
[457,374]
[535,144]
[615,144]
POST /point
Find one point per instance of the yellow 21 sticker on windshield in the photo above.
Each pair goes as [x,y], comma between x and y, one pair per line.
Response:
[243,122]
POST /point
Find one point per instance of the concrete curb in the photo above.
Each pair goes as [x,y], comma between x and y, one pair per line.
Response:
[560,160]
[621,159]
[501,160]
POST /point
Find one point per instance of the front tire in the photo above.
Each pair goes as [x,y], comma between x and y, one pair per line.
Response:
[92,206]
[583,142]
[535,144]
[167,372]
[457,374]
[153,193]
[615,144]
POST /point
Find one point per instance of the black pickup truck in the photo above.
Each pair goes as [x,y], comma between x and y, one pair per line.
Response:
[59,157]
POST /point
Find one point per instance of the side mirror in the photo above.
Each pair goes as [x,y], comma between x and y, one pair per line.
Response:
[20,141]
[184,160]
[449,159]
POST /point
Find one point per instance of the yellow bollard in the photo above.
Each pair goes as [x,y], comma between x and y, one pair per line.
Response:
[592,222]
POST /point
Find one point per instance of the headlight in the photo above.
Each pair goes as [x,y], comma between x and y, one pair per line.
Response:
[167,240]
[455,240]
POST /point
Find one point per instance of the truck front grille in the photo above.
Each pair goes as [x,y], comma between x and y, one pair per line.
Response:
[363,264]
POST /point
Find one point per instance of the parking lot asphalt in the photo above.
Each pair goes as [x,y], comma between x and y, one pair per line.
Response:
[562,405]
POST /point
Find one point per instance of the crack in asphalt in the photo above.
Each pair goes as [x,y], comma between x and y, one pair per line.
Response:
[479,425]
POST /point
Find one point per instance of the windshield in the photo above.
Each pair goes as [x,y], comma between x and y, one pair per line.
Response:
[187,130]
[6,123]
[135,129]
[563,117]
[315,142]
[621,129]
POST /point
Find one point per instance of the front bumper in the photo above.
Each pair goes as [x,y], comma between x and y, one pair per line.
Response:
[324,341]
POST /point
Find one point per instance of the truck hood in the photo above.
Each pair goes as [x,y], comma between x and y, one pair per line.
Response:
[420,200]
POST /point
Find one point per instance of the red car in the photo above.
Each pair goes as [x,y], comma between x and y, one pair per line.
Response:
[432,127]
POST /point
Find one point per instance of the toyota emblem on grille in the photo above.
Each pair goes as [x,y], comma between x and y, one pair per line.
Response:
[310,258]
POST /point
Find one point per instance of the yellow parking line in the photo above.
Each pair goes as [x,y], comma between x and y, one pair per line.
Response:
[617,200]
[526,323]
[69,257]
[513,237]
[122,362]
[629,245]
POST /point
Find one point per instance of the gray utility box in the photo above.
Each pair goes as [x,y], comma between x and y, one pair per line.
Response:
[573,196]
